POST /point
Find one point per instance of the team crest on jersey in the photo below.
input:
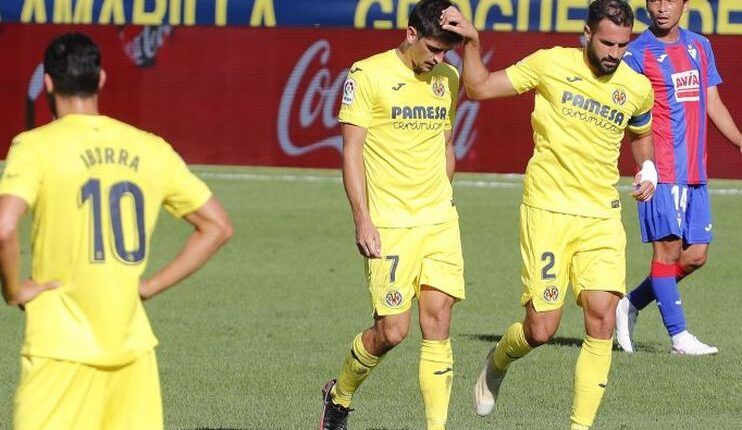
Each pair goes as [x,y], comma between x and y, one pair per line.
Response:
[692,51]
[687,86]
[393,299]
[438,88]
[619,97]
[349,91]
[551,294]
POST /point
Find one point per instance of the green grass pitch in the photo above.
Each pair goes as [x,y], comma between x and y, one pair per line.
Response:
[248,341]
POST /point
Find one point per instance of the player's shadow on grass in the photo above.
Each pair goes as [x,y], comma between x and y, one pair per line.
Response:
[492,338]
[650,348]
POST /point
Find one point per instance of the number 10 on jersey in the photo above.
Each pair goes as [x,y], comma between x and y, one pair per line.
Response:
[91,191]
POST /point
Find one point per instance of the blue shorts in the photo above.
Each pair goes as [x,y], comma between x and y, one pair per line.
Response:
[677,210]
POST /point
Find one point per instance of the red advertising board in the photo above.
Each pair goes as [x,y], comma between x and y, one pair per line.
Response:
[258,96]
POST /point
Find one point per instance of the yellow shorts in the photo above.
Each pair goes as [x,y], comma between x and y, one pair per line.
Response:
[60,395]
[557,249]
[425,255]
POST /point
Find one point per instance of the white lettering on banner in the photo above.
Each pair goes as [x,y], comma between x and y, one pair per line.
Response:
[321,96]
[326,96]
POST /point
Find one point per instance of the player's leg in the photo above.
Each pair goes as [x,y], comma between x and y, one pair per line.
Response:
[661,223]
[697,236]
[436,356]
[545,253]
[390,282]
[598,281]
[134,399]
[441,285]
[594,360]
[58,395]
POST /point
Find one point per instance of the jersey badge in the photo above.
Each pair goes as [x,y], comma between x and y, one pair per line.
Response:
[551,294]
[349,91]
[438,88]
[692,51]
[619,97]
[393,299]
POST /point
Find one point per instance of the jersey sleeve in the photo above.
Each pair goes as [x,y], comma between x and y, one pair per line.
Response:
[23,174]
[184,192]
[641,121]
[453,87]
[633,58]
[358,98]
[713,77]
[526,74]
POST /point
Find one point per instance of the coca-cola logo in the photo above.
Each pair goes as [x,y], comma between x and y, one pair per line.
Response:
[323,91]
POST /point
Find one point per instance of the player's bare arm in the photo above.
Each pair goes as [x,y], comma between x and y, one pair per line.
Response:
[212,229]
[450,155]
[479,82]
[721,117]
[643,152]
[354,180]
[15,291]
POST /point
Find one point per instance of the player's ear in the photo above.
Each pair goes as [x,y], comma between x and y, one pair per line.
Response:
[588,34]
[101,79]
[48,83]
[411,34]
[686,6]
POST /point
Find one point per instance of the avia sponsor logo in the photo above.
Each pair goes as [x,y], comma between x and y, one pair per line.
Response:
[592,112]
[687,86]
[307,113]
[143,47]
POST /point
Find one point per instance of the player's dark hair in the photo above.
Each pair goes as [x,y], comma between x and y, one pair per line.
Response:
[73,62]
[425,18]
[618,11]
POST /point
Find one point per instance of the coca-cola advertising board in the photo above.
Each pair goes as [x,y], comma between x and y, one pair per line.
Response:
[259,96]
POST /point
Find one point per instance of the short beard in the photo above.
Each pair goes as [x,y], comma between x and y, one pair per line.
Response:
[598,65]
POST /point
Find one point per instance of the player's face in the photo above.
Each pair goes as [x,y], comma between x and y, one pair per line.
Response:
[666,14]
[427,53]
[606,46]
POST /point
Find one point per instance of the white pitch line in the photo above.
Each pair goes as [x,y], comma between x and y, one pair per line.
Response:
[463,183]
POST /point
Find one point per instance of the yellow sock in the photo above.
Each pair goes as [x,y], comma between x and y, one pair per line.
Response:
[436,377]
[511,347]
[591,377]
[358,364]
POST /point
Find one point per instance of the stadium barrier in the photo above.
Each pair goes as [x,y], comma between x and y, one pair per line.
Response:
[270,96]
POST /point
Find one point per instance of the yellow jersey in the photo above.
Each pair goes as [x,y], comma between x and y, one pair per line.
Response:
[95,186]
[578,124]
[404,154]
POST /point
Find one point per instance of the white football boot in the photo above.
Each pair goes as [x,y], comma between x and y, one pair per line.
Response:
[487,387]
[626,314]
[686,344]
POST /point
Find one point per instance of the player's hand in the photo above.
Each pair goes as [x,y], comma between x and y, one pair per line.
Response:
[452,20]
[643,189]
[145,290]
[368,239]
[30,289]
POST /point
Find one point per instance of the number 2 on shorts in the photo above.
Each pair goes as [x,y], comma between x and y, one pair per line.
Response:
[549,258]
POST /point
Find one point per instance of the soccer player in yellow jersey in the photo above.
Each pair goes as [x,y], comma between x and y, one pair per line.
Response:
[570,223]
[397,113]
[95,186]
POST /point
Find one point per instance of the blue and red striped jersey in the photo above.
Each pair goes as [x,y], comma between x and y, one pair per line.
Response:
[680,73]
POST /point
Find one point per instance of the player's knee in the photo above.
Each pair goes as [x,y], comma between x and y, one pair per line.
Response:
[538,335]
[394,335]
[435,321]
[601,324]
[694,262]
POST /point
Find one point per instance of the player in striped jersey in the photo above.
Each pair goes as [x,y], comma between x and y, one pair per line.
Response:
[681,66]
